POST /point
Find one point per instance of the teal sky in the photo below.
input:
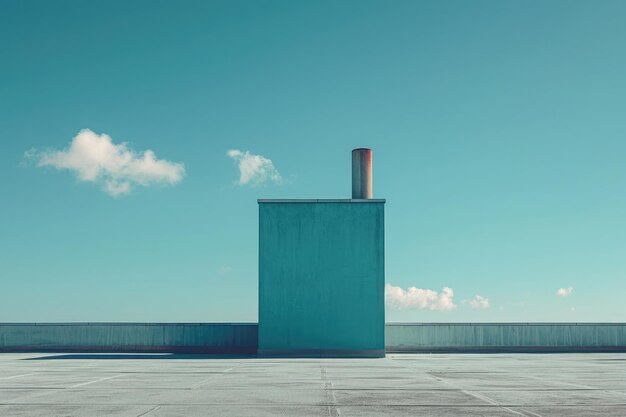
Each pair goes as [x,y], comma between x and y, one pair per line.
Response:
[498,130]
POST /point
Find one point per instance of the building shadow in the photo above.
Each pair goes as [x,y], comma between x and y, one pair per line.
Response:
[135,356]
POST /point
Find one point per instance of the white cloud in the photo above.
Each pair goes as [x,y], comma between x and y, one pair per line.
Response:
[418,298]
[254,169]
[116,167]
[564,292]
[224,269]
[478,302]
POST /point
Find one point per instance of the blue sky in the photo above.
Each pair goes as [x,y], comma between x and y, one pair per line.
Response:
[498,129]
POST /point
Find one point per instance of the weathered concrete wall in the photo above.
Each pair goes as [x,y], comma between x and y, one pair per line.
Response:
[237,338]
[321,278]
[505,337]
[242,338]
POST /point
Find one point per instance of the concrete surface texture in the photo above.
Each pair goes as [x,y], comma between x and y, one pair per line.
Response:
[404,384]
[321,278]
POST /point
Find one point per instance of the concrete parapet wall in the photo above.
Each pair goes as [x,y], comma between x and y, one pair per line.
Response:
[505,337]
[237,338]
[242,338]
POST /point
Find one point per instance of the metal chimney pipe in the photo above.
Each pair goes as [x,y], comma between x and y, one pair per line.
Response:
[362,174]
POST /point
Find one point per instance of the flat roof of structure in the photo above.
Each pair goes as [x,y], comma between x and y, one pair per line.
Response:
[321,200]
[152,385]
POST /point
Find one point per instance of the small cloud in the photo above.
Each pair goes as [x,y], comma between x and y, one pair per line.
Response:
[29,156]
[116,167]
[417,298]
[564,292]
[254,169]
[225,269]
[572,309]
[478,302]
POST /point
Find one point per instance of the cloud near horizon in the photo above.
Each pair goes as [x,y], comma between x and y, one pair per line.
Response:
[254,169]
[417,298]
[479,302]
[564,292]
[116,167]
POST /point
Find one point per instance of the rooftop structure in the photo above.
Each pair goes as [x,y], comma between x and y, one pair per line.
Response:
[322,272]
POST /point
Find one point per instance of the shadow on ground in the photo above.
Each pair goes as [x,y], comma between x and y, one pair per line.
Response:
[126,356]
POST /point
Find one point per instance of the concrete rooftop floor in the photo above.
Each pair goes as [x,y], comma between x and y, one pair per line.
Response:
[406,385]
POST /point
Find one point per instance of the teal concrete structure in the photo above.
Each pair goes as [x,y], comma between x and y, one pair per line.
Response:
[321,278]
